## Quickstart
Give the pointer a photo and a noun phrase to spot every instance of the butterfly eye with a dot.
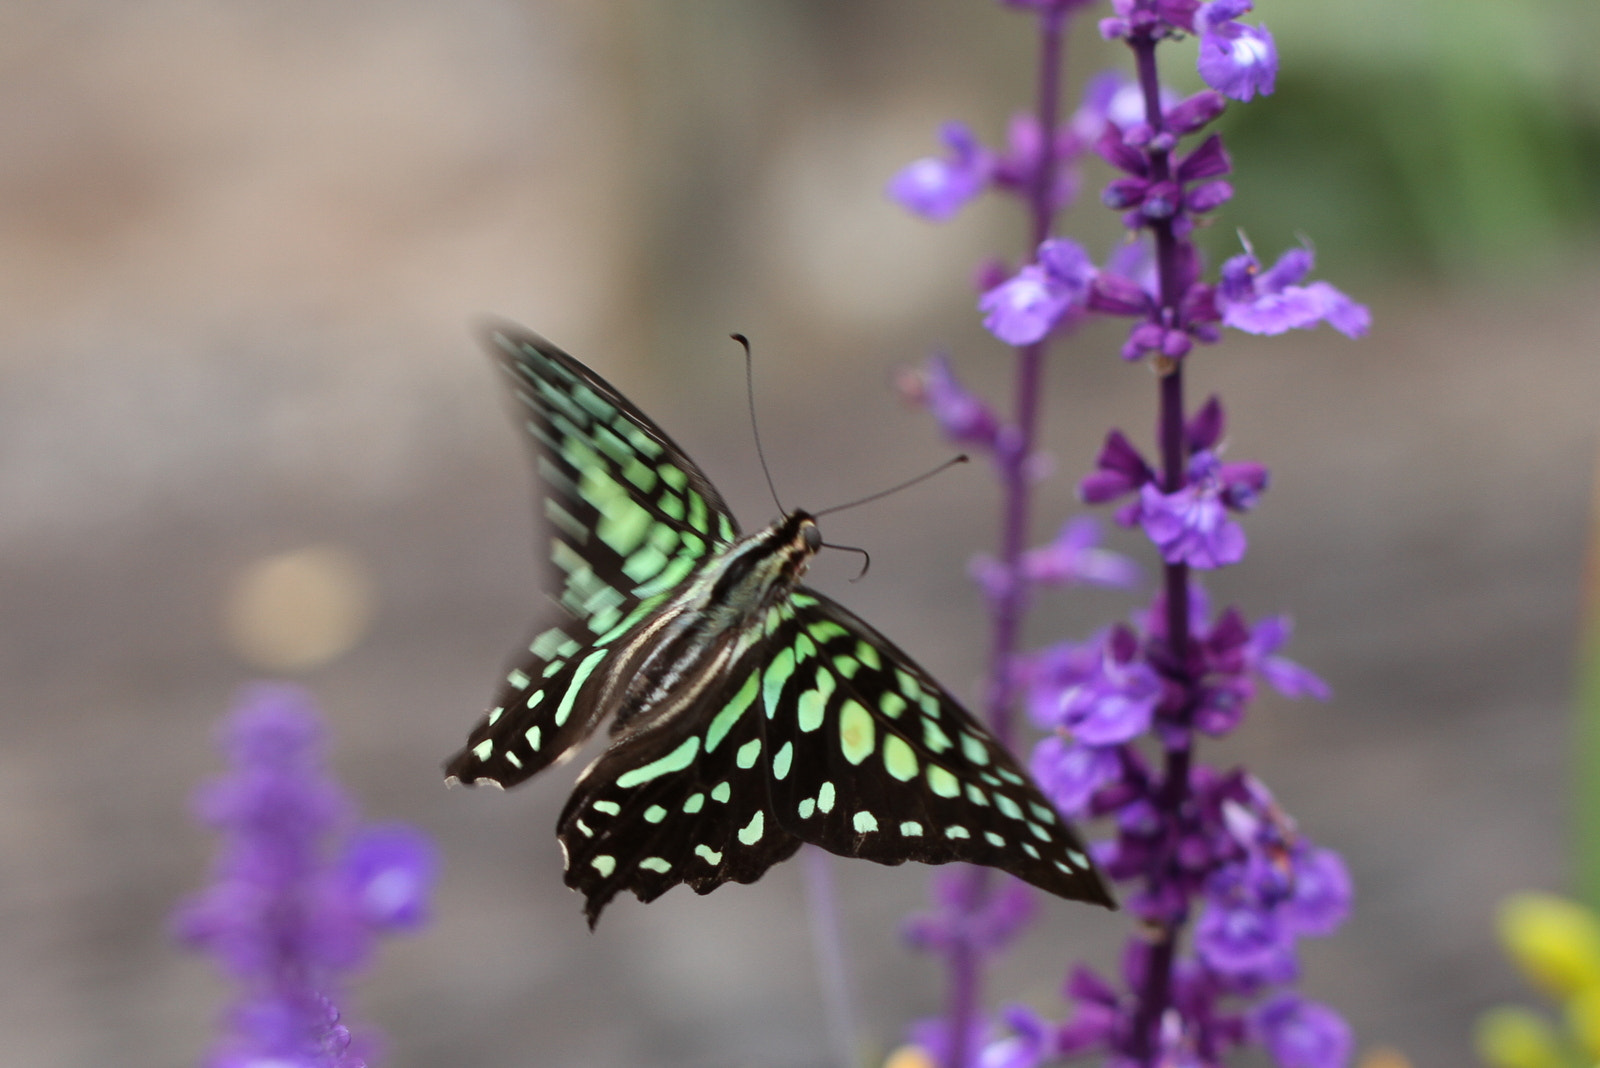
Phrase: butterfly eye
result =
(812, 536)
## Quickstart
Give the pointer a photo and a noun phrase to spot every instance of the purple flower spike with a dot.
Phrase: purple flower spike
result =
(1237, 61)
(1074, 558)
(1026, 307)
(1303, 1034)
(1271, 302)
(280, 915)
(937, 187)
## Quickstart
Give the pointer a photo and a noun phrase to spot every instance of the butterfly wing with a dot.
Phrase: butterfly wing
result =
(630, 518)
(820, 730)
(685, 802)
(872, 758)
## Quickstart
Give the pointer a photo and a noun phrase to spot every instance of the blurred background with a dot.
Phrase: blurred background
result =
(245, 431)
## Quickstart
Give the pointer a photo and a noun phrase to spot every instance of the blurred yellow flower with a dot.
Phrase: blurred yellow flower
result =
(1554, 941)
(1513, 1037)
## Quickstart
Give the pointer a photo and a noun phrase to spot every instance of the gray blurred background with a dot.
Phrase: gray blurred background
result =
(245, 432)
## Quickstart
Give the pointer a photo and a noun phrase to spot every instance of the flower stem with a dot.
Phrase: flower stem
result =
(964, 959)
(1156, 990)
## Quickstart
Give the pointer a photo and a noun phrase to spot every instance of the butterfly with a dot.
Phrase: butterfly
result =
(748, 713)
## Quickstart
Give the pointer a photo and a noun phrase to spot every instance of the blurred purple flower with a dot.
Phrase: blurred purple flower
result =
(1238, 61)
(1303, 1034)
(965, 417)
(1272, 301)
(936, 187)
(294, 902)
(1027, 306)
(1074, 558)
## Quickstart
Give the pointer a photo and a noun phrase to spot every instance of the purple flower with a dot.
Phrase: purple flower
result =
(1303, 1034)
(1286, 676)
(1240, 936)
(1116, 703)
(965, 418)
(1191, 525)
(1027, 306)
(937, 187)
(1071, 773)
(1074, 557)
(1272, 302)
(1238, 61)
(964, 913)
(1322, 892)
(1031, 1042)
(281, 915)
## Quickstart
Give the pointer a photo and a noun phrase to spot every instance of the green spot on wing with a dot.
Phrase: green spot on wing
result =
(707, 854)
(746, 757)
(777, 673)
(604, 864)
(751, 832)
(891, 705)
(864, 822)
(911, 829)
(610, 808)
(676, 760)
(673, 476)
(721, 792)
(814, 702)
(695, 803)
(781, 762)
(579, 676)
(942, 782)
(856, 733)
(825, 798)
(655, 814)
(898, 758)
(736, 707)
(655, 864)
(974, 750)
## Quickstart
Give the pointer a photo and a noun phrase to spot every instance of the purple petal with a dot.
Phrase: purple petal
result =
(1322, 892)
(1303, 1034)
(1238, 61)
(1071, 773)
(1205, 428)
(1023, 309)
(1291, 269)
(962, 415)
(936, 188)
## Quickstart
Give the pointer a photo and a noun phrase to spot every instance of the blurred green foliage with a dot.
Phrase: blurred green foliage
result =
(1440, 137)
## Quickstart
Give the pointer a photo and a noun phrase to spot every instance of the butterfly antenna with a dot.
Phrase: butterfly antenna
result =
(750, 398)
(907, 484)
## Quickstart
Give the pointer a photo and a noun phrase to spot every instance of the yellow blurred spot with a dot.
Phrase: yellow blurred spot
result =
(909, 1057)
(297, 610)
(1554, 941)
(1511, 1037)
(1384, 1057)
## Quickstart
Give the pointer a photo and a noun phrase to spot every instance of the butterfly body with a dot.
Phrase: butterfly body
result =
(748, 713)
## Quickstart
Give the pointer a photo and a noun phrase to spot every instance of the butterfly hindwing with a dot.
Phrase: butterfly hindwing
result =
(630, 518)
(882, 764)
(684, 803)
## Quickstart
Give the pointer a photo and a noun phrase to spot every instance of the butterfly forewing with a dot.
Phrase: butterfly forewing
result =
(630, 520)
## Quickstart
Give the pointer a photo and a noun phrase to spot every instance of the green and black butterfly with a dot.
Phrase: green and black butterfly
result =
(748, 713)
